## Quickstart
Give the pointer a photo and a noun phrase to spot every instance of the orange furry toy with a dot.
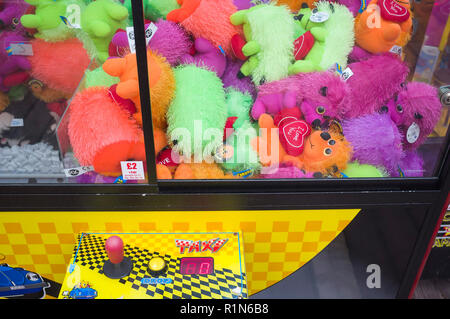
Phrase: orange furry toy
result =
(161, 84)
(324, 152)
(375, 34)
(105, 137)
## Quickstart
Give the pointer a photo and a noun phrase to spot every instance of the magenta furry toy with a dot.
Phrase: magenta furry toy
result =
(318, 94)
(169, 40)
(374, 81)
(284, 170)
(206, 55)
(415, 110)
(376, 140)
(11, 63)
(10, 13)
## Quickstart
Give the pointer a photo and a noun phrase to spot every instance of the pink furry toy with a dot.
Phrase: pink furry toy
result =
(209, 19)
(415, 110)
(284, 170)
(208, 56)
(318, 94)
(10, 64)
(173, 49)
(374, 81)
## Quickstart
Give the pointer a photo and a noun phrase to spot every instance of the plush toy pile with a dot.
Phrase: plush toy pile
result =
(238, 88)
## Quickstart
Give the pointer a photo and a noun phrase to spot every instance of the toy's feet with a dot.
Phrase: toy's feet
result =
(258, 109)
(163, 172)
(301, 66)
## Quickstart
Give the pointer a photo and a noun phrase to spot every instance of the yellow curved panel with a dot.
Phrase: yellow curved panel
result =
(276, 243)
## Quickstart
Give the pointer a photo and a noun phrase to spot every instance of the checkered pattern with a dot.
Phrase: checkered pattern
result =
(91, 254)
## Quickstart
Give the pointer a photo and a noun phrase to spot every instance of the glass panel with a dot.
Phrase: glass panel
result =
(342, 89)
(68, 105)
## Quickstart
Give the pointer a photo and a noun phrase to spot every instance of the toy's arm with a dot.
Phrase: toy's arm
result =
(116, 11)
(31, 21)
(319, 33)
(251, 48)
(249, 65)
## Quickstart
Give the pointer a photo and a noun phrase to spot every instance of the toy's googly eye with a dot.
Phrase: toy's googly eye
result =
(320, 110)
(315, 10)
(331, 142)
(15, 21)
(327, 151)
(399, 108)
(35, 83)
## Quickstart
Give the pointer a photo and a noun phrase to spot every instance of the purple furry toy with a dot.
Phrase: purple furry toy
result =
(230, 78)
(411, 165)
(376, 140)
(284, 170)
(11, 12)
(374, 81)
(169, 40)
(206, 55)
(318, 94)
(415, 110)
(11, 63)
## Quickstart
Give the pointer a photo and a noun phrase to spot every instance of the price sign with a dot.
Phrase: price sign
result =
(132, 170)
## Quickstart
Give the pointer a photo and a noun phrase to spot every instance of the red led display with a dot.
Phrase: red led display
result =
(197, 265)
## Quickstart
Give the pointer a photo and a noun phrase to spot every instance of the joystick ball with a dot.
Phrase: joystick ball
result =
(114, 249)
(117, 266)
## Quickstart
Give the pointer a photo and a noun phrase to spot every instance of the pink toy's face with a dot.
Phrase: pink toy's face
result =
(317, 114)
(322, 99)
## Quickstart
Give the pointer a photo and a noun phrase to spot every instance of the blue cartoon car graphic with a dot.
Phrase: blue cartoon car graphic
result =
(83, 291)
(17, 281)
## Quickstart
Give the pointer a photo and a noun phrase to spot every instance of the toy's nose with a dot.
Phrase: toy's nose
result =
(325, 136)
(384, 109)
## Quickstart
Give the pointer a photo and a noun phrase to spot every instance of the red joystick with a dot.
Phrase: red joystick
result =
(114, 249)
(117, 266)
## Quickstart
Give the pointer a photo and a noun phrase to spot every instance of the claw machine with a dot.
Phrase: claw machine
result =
(234, 149)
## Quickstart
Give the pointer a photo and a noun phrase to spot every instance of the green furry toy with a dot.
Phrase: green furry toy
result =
(154, 9)
(332, 27)
(99, 21)
(269, 31)
(197, 115)
(243, 160)
(47, 19)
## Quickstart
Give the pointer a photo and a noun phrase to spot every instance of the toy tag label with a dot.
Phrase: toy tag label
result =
(413, 133)
(21, 48)
(77, 171)
(346, 74)
(396, 49)
(16, 123)
(132, 171)
(149, 33)
(68, 24)
(319, 17)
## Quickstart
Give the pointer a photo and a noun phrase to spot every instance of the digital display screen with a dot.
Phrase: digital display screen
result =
(197, 265)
